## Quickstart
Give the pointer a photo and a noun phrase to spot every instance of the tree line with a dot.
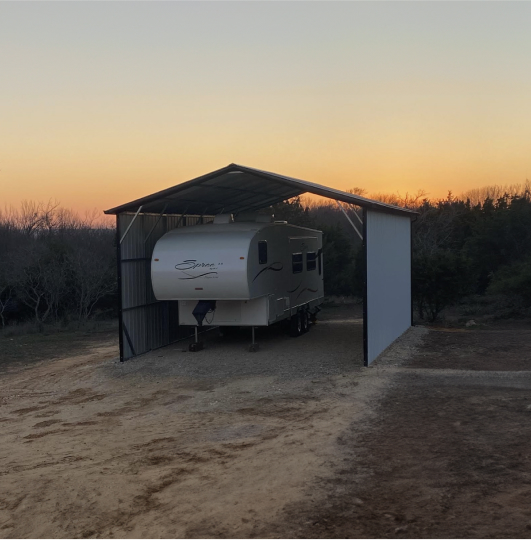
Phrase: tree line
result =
(58, 267)
(55, 266)
(461, 248)
(476, 244)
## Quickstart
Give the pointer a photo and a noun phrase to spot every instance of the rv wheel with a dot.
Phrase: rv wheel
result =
(305, 323)
(296, 325)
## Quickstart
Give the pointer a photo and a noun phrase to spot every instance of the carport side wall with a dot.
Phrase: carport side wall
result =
(387, 241)
(145, 323)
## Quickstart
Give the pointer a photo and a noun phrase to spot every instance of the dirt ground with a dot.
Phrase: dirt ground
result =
(297, 440)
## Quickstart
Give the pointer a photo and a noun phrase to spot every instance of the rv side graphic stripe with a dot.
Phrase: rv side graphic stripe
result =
(200, 275)
(293, 290)
(304, 290)
(270, 268)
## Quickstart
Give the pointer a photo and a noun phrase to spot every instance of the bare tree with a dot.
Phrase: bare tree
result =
(6, 295)
(411, 201)
(39, 279)
(53, 261)
(92, 271)
(495, 192)
(357, 191)
(27, 277)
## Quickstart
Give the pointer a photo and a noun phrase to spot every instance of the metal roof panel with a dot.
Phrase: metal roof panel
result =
(236, 188)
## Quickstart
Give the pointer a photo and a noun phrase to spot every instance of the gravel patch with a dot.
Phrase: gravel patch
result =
(326, 350)
(401, 350)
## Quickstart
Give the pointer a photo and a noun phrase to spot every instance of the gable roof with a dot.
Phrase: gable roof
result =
(236, 188)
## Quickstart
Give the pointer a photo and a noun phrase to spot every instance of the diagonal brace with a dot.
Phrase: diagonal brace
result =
(349, 220)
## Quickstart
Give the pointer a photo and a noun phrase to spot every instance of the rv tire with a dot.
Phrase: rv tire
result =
(305, 323)
(295, 329)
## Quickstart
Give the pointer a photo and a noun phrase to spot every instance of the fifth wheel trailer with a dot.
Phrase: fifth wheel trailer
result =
(249, 273)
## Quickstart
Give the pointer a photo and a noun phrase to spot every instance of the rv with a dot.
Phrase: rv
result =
(250, 272)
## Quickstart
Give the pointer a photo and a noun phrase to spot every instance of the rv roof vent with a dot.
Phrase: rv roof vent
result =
(280, 221)
(223, 218)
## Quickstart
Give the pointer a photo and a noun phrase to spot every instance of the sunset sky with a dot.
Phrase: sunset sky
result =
(102, 103)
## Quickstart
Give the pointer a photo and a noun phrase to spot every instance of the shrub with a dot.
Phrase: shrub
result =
(513, 279)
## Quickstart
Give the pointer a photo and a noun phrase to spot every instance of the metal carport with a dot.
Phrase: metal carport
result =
(147, 324)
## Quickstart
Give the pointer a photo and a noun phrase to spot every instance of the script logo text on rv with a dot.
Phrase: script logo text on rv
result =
(207, 269)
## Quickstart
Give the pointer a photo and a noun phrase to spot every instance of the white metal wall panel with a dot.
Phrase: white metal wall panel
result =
(388, 294)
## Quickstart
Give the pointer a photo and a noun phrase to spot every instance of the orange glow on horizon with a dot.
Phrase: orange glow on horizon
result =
(104, 103)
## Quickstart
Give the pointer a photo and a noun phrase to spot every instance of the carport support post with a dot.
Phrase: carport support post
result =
(365, 318)
(119, 284)
(411, 263)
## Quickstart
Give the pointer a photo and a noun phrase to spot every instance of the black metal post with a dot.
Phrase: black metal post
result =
(365, 310)
(411, 263)
(119, 280)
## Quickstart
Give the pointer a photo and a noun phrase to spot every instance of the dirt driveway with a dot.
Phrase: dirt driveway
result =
(296, 440)
(448, 453)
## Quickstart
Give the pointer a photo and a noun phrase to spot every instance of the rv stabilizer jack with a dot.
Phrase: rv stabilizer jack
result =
(197, 345)
(253, 347)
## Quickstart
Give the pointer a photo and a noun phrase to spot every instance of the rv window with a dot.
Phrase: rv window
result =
(311, 262)
(262, 252)
(296, 261)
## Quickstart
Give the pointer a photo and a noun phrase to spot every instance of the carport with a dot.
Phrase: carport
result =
(146, 324)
